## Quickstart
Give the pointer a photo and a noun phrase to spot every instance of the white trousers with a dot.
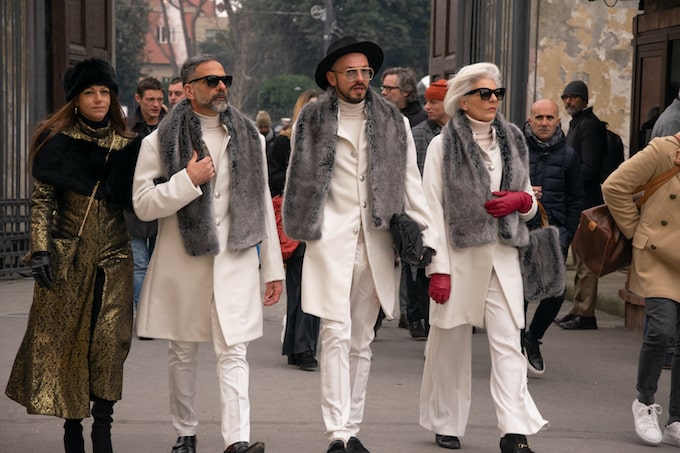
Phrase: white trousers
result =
(232, 373)
(445, 393)
(345, 358)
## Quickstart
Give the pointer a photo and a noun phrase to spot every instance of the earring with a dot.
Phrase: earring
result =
(75, 110)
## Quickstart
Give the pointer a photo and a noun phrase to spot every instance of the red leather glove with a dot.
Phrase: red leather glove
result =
(507, 202)
(440, 287)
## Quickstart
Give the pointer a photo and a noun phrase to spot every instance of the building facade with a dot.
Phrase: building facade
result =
(627, 51)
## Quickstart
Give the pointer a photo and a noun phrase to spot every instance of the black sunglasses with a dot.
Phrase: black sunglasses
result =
(485, 93)
(213, 80)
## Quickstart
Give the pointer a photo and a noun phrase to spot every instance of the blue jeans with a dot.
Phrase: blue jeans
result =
(663, 317)
(142, 248)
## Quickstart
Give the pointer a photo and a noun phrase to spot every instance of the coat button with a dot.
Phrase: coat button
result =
(361, 178)
(218, 223)
(672, 196)
(217, 195)
(354, 154)
(664, 223)
(355, 231)
(364, 204)
(653, 247)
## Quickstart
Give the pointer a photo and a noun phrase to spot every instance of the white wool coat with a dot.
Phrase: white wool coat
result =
(470, 268)
(329, 261)
(179, 289)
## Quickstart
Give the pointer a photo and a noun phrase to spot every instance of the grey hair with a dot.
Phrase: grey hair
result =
(464, 80)
(407, 81)
(189, 67)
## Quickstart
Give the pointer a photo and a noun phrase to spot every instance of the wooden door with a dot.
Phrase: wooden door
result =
(79, 29)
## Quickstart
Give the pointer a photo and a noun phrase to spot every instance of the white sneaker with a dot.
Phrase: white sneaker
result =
(646, 419)
(671, 434)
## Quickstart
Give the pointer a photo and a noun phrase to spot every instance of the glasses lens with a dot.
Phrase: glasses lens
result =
(485, 93)
(351, 74)
(500, 93)
(367, 73)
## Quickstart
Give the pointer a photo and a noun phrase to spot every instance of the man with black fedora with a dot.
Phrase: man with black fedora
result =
(352, 165)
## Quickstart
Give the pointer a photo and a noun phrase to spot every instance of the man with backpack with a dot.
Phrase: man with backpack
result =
(588, 137)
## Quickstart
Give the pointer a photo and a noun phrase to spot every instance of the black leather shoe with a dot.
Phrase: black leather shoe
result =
(243, 447)
(515, 443)
(403, 321)
(354, 446)
(566, 318)
(580, 323)
(306, 361)
(417, 330)
(532, 352)
(450, 442)
(337, 446)
(185, 444)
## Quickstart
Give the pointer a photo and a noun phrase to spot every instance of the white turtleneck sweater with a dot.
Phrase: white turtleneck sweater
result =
(351, 118)
(485, 136)
(214, 136)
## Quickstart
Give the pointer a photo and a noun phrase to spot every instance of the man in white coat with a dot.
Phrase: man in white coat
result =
(352, 165)
(203, 175)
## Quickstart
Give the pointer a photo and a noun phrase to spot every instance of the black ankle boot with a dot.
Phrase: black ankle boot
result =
(101, 427)
(73, 436)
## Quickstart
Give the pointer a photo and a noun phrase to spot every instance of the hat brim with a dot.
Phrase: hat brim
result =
(373, 53)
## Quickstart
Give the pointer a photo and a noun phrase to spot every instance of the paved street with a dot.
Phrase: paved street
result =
(586, 393)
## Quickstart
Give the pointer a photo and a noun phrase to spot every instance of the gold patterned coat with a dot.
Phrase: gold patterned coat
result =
(79, 332)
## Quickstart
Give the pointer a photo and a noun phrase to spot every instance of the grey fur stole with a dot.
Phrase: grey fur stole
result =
(466, 184)
(179, 134)
(313, 158)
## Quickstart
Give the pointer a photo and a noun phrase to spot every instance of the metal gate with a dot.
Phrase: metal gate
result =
(14, 123)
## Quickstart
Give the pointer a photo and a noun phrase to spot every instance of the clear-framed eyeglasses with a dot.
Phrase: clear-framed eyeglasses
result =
(352, 74)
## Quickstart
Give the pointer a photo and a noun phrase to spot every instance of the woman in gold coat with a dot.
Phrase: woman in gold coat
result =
(80, 323)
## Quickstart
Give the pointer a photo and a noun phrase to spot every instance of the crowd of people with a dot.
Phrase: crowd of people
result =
(170, 219)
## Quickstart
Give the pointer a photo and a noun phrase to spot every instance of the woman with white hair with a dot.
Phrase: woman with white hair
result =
(476, 178)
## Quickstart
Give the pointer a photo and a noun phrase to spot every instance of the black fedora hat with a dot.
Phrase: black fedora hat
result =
(343, 46)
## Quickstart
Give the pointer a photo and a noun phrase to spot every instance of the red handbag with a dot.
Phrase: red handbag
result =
(288, 245)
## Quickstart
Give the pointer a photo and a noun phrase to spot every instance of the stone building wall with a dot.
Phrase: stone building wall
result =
(589, 41)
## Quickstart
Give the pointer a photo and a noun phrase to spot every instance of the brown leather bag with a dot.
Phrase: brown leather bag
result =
(598, 240)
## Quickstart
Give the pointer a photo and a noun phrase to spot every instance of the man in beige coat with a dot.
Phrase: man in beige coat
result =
(352, 165)
(203, 175)
(654, 274)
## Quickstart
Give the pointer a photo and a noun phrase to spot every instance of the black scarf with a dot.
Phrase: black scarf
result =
(179, 134)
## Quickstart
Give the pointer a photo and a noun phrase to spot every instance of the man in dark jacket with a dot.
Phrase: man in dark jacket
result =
(557, 182)
(150, 111)
(588, 137)
(399, 86)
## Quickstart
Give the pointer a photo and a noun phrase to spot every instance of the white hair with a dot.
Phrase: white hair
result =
(464, 80)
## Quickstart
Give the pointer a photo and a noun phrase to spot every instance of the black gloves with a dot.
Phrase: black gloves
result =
(41, 270)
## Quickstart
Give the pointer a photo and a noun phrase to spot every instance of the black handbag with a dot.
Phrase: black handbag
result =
(542, 262)
(408, 241)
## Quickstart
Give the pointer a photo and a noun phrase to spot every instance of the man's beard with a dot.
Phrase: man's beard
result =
(572, 110)
(217, 103)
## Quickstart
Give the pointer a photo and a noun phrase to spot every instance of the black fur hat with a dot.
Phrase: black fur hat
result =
(86, 73)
